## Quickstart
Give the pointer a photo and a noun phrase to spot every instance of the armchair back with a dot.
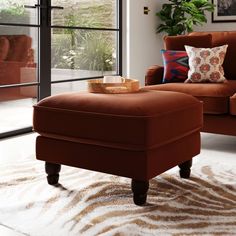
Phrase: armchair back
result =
(178, 42)
(20, 47)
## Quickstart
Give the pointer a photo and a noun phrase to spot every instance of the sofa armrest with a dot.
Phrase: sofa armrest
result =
(154, 75)
(233, 105)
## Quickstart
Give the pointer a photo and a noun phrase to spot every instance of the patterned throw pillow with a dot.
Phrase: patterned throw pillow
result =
(206, 64)
(175, 66)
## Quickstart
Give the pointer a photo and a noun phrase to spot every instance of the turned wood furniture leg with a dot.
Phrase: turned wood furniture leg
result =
(185, 169)
(140, 189)
(53, 172)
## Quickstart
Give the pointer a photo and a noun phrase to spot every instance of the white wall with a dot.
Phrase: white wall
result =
(141, 43)
(209, 26)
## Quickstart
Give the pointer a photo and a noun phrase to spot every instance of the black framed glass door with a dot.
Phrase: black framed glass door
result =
(53, 46)
(19, 53)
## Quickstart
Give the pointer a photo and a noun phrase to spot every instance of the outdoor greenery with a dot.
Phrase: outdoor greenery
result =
(72, 48)
(97, 52)
(14, 10)
(90, 51)
(84, 49)
(179, 16)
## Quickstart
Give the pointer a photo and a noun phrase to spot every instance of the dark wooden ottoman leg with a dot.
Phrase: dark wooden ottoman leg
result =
(53, 172)
(140, 189)
(185, 169)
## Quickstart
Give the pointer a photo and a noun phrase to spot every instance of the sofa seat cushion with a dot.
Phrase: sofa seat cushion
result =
(136, 121)
(215, 96)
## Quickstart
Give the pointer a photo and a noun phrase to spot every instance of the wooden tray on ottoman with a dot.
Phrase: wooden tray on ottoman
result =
(127, 86)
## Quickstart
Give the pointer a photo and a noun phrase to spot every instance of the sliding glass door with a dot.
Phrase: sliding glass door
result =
(19, 30)
(50, 47)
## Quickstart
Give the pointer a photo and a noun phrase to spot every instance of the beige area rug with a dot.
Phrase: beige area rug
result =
(90, 203)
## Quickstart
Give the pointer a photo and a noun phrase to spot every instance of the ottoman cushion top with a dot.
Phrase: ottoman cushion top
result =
(135, 121)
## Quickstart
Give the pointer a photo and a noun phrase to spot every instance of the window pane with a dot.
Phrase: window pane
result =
(19, 62)
(83, 53)
(13, 11)
(85, 13)
(77, 86)
(17, 114)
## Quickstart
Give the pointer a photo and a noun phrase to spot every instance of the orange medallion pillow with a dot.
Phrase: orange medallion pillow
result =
(4, 48)
(205, 64)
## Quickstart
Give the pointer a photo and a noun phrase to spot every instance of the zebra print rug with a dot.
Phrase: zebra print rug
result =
(89, 203)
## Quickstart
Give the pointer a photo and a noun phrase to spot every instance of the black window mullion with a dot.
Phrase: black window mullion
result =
(15, 132)
(45, 50)
(119, 44)
(20, 25)
(19, 85)
(83, 28)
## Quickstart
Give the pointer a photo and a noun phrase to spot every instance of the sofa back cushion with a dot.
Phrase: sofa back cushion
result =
(19, 47)
(221, 38)
(4, 48)
(178, 42)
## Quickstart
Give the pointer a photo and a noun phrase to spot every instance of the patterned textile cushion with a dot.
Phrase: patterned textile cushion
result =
(4, 48)
(175, 66)
(206, 64)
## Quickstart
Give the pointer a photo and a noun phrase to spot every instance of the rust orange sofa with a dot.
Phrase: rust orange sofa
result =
(18, 54)
(219, 100)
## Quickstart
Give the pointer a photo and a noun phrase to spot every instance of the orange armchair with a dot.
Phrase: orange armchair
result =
(219, 99)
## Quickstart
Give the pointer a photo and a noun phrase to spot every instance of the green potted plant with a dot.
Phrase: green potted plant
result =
(179, 16)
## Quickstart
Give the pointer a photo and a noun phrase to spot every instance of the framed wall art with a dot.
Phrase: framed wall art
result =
(225, 11)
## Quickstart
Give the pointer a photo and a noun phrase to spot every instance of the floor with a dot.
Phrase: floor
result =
(17, 114)
(219, 147)
(18, 151)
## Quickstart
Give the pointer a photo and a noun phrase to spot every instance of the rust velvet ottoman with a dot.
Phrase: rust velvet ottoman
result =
(137, 135)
